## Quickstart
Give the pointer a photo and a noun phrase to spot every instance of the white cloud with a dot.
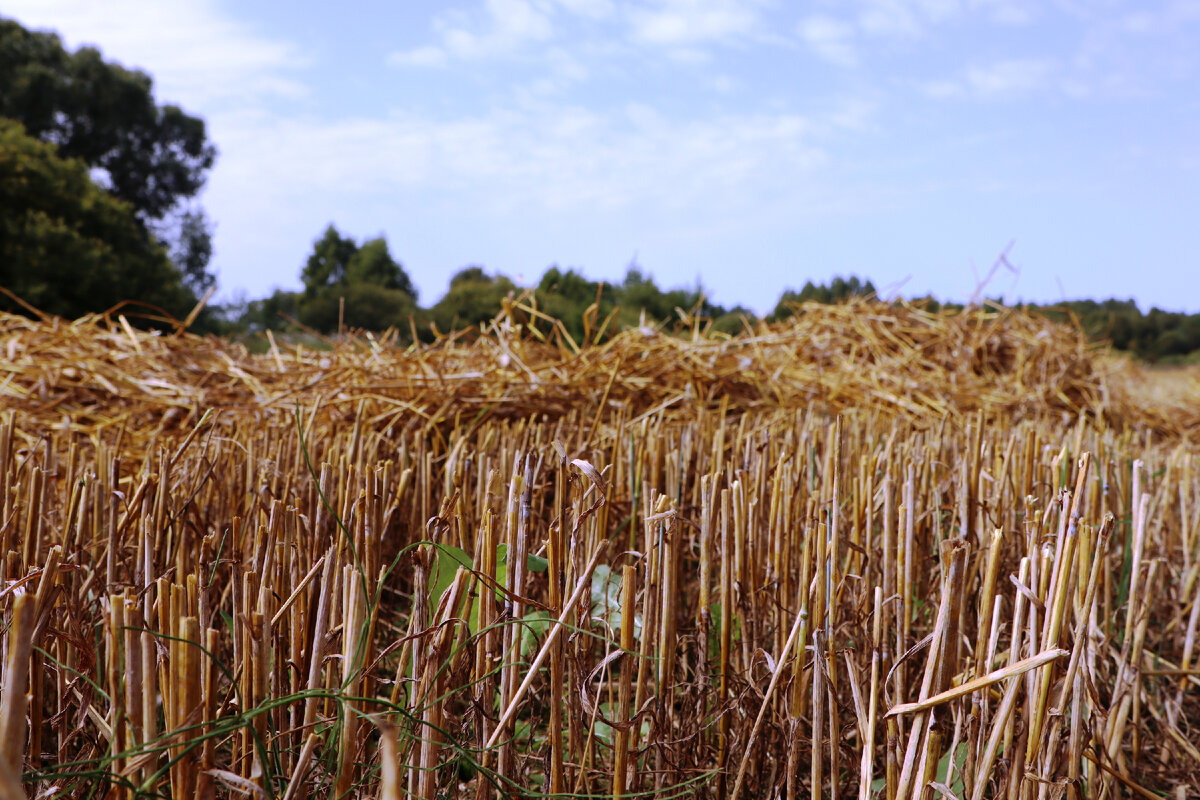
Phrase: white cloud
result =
(548, 165)
(854, 114)
(889, 19)
(197, 55)
(1166, 19)
(1006, 79)
(904, 18)
(1138, 22)
(546, 159)
(504, 27)
(940, 89)
(830, 38)
(1010, 77)
(596, 9)
(830, 34)
(724, 84)
(688, 23)
(1007, 12)
(425, 56)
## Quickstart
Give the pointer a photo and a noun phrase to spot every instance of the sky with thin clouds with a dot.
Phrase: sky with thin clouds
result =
(748, 145)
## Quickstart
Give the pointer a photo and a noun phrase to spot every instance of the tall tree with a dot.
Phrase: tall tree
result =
(337, 260)
(153, 157)
(193, 250)
(474, 298)
(326, 265)
(66, 246)
(362, 286)
(374, 265)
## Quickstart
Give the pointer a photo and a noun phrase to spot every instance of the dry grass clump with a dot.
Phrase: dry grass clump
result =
(1163, 399)
(868, 355)
(532, 567)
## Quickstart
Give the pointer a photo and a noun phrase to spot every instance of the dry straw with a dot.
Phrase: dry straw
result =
(871, 551)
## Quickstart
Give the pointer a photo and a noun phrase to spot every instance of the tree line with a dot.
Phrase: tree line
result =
(362, 286)
(97, 210)
(351, 285)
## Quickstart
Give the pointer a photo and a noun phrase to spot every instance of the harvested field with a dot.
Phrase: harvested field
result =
(870, 552)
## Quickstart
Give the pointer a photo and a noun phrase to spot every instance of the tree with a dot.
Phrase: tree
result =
(639, 293)
(733, 321)
(566, 296)
(362, 286)
(337, 260)
(67, 247)
(839, 290)
(150, 156)
(268, 312)
(193, 251)
(326, 266)
(358, 305)
(374, 265)
(474, 298)
(572, 287)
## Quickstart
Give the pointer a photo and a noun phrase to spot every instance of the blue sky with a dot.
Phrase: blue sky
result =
(747, 144)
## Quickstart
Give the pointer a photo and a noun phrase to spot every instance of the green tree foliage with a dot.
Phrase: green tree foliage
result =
(150, 156)
(367, 306)
(572, 288)
(473, 299)
(569, 295)
(566, 296)
(337, 261)
(1155, 336)
(734, 321)
(326, 266)
(271, 312)
(373, 265)
(104, 115)
(363, 286)
(639, 294)
(192, 251)
(838, 290)
(66, 246)
(337, 268)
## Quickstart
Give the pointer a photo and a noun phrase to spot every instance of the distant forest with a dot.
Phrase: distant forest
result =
(592, 310)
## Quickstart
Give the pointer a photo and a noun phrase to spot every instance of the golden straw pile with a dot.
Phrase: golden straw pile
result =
(896, 359)
(872, 551)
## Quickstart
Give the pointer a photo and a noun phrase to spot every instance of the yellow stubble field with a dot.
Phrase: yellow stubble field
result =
(871, 551)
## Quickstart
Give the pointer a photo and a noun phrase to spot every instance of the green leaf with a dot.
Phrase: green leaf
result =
(960, 758)
(714, 632)
(607, 733)
(446, 561)
(603, 731)
(532, 563)
(606, 600)
(533, 628)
